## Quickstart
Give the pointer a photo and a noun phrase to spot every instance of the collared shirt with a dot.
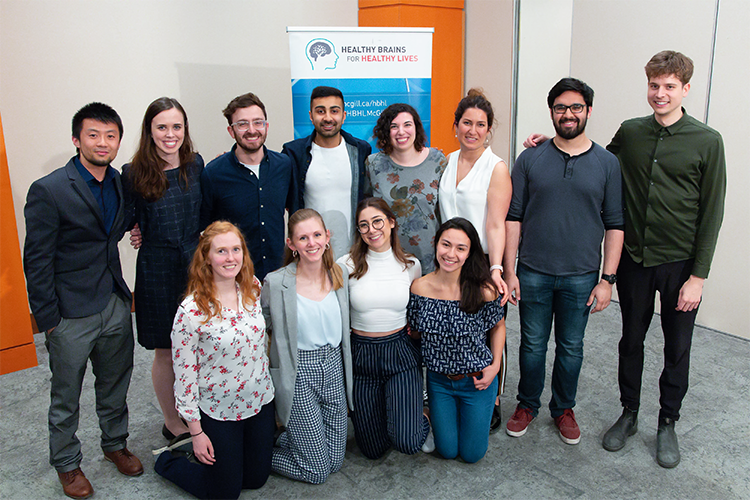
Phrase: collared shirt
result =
(104, 192)
(232, 192)
(674, 184)
(565, 204)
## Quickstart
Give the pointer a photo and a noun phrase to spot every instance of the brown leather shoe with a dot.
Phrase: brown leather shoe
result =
(126, 462)
(75, 484)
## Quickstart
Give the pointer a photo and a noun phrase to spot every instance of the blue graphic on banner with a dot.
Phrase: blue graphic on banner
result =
(364, 100)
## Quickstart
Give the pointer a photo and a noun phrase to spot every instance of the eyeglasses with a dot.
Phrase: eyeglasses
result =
(576, 108)
(364, 227)
(244, 125)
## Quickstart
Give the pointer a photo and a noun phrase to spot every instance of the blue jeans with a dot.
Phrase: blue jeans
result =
(543, 297)
(460, 416)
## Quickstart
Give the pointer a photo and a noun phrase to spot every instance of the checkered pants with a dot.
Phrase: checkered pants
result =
(314, 442)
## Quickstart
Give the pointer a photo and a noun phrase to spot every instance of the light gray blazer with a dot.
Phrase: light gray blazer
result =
(279, 301)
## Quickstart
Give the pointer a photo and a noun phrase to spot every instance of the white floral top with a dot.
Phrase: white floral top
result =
(220, 366)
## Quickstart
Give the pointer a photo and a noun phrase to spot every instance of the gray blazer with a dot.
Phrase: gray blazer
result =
(72, 265)
(279, 301)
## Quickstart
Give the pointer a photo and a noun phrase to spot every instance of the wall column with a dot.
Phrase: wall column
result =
(17, 349)
(447, 52)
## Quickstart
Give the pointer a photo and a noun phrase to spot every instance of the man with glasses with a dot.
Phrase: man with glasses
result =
(566, 198)
(330, 167)
(250, 186)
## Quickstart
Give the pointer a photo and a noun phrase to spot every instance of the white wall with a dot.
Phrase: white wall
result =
(56, 56)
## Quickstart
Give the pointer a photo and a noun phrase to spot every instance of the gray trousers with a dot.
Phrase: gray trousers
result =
(107, 339)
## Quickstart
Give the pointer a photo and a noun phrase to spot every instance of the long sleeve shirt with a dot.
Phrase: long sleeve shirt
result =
(221, 366)
(674, 184)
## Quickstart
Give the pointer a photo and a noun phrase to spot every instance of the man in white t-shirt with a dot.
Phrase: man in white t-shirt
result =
(330, 167)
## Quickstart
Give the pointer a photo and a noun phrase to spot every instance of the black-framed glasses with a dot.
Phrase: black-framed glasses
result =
(244, 125)
(576, 108)
(364, 227)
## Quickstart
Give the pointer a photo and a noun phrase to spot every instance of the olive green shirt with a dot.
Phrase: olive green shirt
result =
(674, 183)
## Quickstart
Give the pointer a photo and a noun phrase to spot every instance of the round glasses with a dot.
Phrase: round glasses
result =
(364, 227)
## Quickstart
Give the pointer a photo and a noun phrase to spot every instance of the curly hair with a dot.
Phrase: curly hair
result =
(333, 271)
(358, 252)
(382, 129)
(201, 277)
(146, 172)
(475, 273)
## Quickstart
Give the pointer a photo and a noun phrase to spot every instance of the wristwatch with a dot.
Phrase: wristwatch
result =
(610, 278)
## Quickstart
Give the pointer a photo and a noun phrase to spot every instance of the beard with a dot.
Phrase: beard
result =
(245, 145)
(573, 132)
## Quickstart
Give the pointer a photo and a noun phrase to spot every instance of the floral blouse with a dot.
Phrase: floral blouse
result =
(412, 194)
(220, 366)
(453, 342)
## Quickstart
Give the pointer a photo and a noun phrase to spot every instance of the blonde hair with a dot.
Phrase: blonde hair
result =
(201, 276)
(333, 271)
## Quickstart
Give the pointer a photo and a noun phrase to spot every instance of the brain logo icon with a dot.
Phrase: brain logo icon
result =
(321, 54)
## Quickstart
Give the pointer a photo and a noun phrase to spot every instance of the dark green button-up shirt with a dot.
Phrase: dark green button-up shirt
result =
(674, 183)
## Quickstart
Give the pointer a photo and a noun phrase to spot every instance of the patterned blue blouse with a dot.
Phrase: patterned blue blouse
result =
(453, 342)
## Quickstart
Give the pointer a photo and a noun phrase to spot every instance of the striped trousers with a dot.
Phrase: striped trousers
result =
(387, 395)
(313, 445)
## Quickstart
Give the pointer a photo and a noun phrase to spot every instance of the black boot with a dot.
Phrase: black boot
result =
(627, 425)
(667, 449)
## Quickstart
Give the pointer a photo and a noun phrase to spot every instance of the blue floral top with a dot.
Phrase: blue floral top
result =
(412, 194)
(453, 342)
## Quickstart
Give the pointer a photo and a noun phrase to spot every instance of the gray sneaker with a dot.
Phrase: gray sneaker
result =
(627, 425)
(667, 449)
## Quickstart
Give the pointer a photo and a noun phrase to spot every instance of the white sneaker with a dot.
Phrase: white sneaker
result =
(429, 442)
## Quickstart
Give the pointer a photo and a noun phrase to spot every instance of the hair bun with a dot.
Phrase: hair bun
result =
(476, 92)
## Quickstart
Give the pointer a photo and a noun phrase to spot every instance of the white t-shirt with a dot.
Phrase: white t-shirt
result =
(253, 168)
(378, 300)
(328, 190)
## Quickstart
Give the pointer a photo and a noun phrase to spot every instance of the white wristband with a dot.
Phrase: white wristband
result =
(496, 266)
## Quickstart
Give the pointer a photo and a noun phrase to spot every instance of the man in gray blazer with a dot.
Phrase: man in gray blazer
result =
(75, 217)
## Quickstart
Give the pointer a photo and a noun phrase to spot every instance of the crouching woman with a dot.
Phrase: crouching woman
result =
(306, 306)
(455, 309)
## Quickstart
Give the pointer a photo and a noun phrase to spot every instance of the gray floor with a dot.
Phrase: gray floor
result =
(714, 435)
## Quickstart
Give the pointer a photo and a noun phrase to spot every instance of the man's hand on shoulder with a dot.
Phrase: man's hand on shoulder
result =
(690, 294)
(534, 140)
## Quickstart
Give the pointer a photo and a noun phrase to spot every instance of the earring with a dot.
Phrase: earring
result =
(294, 253)
(328, 245)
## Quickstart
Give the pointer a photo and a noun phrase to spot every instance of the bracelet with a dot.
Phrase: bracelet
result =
(195, 435)
(496, 266)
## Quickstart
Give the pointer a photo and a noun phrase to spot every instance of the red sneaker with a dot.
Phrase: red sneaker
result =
(569, 431)
(519, 422)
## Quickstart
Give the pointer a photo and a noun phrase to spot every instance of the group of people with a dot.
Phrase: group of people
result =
(267, 337)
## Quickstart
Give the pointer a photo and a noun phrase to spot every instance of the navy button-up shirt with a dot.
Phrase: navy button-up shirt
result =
(104, 192)
(233, 193)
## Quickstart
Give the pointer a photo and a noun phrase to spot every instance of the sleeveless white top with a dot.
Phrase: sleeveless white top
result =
(469, 198)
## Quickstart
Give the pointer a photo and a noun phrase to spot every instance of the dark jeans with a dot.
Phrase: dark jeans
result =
(544, 297)
(636, 289)
(243, 457)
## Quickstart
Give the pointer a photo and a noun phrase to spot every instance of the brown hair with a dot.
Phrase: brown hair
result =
(382, 129)
(669, 62)
(201, 277)
(358, 252)
(243, 101)
(146, 172)
(332, 270)
(475, 99)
